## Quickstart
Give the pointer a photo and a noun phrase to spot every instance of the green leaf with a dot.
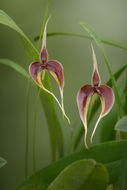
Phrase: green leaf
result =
(31, 50)
(95, 107)
(15, 66)
(46, 99)
(122, 184)
(105, 153)
(81, 175)
(99, 44)
(121, 125)
(2, 162)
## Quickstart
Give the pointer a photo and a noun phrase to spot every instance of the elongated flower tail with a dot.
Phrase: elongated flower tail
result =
(83, 100)
(35, 70)
(107, 100)
(56, 70)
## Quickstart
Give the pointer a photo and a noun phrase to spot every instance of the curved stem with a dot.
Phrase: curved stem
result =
(105, 41)
(27, 129)
(39, 91)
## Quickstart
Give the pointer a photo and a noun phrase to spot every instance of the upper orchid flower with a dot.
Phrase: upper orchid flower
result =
(37, 71)
(88, 91)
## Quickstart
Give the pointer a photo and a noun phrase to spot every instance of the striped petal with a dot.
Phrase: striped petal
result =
(107, 100)
(95, 76)
(83, 99)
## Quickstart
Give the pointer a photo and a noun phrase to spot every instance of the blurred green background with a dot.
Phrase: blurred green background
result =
(108, 18)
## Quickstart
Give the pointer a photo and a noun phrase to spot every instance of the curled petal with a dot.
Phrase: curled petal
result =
(56, 70)
(107, 100)
(44, 53)
(95, 77)
(83, 99)
(35, 70)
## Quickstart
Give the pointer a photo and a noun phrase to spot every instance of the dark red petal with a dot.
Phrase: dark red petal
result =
(107, 99)
(95, 77)
(35, 69)
(56, 69)
(44, 55)
(83, 100)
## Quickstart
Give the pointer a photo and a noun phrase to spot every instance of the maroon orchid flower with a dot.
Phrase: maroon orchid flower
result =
(86, 94)
(37, 72)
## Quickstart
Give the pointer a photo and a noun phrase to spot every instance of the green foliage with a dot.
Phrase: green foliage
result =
(122, 184)
(15, 66)
(121, 125)
(46, 99)
(2, 162)
(81, 175)
(101, 153)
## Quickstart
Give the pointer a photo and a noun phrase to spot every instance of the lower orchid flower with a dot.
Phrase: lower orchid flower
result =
(37, 72)
(87, 92)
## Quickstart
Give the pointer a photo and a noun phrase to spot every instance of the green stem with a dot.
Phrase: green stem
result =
(34, 131)
(108, 42)
(27, 129)
(38, 97)
(43, 24)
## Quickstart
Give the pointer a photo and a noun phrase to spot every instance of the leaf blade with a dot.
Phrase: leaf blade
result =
(3, 162)
(97, 152)
(121, 125)
(84, 174)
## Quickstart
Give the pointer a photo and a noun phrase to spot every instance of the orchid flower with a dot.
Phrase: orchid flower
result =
(37, 72)
(87, 92)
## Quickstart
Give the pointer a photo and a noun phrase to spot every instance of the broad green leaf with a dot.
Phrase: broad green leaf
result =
(84, 174)
(95, 107)
(2, 162)
(113, 171)
(46, 99)
(105, 153)
(99, 44)
(122, 184)
(121, 125)
(15, 66)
